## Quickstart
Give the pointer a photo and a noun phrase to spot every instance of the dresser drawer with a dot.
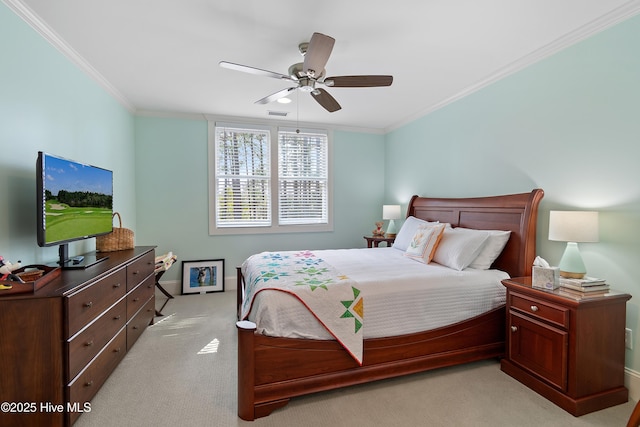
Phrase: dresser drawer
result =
(140, 321)
(86, 344)
(83, 387)
(91, 301)
(540, 309)
(140, 269)
(139, 296)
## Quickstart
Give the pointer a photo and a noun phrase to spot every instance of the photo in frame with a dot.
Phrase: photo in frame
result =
(201, 277)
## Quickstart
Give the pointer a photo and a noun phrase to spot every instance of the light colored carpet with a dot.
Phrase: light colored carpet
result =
(182, 371)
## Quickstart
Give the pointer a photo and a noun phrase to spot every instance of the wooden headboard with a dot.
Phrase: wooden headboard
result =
(517, 213)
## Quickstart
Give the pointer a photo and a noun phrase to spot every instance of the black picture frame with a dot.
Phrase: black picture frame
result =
(202, 276)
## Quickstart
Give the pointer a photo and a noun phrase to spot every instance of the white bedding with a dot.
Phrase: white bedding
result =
(401, 296)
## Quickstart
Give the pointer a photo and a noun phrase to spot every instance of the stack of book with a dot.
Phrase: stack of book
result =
(583, 288)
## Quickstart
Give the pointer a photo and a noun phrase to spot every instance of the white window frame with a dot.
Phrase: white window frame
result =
(275, 227)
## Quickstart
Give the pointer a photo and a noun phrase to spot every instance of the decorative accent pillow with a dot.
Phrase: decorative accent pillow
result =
(491, 250)
(424, 242)
(407, 231)
(459, 247)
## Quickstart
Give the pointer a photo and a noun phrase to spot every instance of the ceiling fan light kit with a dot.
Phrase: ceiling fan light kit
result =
(305, 74)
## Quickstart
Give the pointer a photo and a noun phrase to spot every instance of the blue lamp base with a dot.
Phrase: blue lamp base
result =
(391, 229)
(571, 265)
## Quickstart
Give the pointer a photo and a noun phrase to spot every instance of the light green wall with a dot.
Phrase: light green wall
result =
(570, 125)
(171, 184)
(48, 104)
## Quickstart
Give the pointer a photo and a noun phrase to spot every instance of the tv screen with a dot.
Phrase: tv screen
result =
(75, 200)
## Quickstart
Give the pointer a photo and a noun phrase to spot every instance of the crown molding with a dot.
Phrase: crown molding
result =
(255, 120)
(622, 13)
(35, 22)
(616, 16)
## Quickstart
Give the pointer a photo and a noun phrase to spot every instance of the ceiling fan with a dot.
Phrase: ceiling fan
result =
(310, 73)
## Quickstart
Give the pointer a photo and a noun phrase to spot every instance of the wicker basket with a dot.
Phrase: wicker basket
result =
(30, 275)
(119, 239)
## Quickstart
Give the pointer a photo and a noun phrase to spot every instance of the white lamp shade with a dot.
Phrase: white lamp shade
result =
(391, 212)
(573, 226)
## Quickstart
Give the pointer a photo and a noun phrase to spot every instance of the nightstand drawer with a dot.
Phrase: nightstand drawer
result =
(540, 309)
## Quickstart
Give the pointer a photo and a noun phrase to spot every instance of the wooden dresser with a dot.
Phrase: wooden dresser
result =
(59, 344)
(569, 350)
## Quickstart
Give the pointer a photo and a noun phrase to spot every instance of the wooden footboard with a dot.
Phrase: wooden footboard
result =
(273, 370)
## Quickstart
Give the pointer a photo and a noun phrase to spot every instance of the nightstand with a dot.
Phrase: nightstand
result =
(374, 241)
(570, 351)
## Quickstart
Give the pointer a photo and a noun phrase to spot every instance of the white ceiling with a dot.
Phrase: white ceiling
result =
(161, 56)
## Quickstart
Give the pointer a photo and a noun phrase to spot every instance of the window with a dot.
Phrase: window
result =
(302, 177)
(265, 180)
(242, 177)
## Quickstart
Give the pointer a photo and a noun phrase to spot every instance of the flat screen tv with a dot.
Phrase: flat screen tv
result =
(74, 202)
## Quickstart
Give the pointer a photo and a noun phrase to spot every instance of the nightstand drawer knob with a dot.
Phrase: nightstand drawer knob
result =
(514, 329)
(534, 308)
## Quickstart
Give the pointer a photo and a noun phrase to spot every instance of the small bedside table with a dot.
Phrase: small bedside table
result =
(374, 241)
(568, 350)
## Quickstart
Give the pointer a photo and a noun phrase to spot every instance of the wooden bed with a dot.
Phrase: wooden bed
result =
(272, 370)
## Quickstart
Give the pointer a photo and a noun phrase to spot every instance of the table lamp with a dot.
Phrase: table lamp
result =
(391, 212)
(573, 227)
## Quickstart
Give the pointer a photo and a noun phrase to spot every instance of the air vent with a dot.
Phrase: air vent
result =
(278, 113)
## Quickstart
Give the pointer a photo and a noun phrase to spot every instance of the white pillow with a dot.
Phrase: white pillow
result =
(491, 250)
(407, 231)
(459, 247)
(424, 243)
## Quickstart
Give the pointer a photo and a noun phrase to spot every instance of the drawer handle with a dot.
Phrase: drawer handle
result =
(136, 299)
(136, 272)
(534, 308)
(88, 304)
(514, 329)
(88, 383)
(135, 328)
(88, 343)
(117, 350)
(117, 317)
(117, 285)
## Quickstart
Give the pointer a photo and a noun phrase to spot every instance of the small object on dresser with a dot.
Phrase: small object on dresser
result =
(7, 270)
(30, 279)
(30, 275)
(119, 239)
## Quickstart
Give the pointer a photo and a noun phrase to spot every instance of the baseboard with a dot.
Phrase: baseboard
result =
(632, 382)
(174, 287)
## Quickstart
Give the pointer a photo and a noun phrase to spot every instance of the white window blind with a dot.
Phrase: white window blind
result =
(303, 173)
(242, 177)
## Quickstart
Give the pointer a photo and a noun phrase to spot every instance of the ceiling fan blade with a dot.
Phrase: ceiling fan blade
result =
(318, 52)
(326, 100)
(275, 96)
(358, 81)
(253, 70)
